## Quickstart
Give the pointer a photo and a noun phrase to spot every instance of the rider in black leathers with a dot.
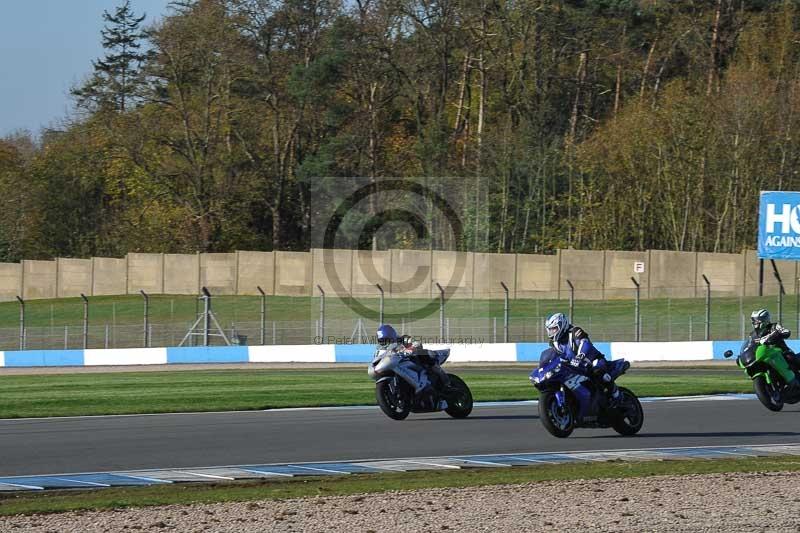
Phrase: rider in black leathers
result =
(774, 334)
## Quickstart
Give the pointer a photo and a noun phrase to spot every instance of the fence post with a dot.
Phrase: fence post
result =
(321, 314)
(708, 307)
(380, 308)
(146, 318)
(206, 297)
(85, 320)
(263, 313)
(441, 312)
(21, 323)
(636, 310)
(572, 301)
(505, 313)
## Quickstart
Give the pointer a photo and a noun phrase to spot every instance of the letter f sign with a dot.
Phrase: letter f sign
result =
(784, 217)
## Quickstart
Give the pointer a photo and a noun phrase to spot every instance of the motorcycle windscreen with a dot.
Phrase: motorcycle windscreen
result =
(748, 353)
(441, 355)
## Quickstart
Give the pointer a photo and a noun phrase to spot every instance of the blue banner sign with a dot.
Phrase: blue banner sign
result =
(779, 225)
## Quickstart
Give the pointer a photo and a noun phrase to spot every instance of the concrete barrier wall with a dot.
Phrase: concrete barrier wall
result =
(672, 274)
(293, 274)
(74, 276)
(725, 272)
(788, 271)
(412, 274)
(454, 271)
(402, 273)
(218, 273)
(585, 270)
(370, 268)
(537, 276)
(490, 270)
(620, 267)
(256, 269)
(109, 276)
(358, 353)
(181, 274)
(333, 271)
(10, 281)
(146, 272)
(39, 279)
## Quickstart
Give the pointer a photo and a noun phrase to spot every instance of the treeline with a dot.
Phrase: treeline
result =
(618, 124)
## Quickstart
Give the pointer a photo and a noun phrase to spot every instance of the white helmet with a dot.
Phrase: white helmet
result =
(761, 320)
(556, 325)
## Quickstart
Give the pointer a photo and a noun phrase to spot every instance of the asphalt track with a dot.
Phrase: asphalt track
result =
(95, 444)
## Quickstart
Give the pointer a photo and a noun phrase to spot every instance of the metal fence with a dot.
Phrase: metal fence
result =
(107, 322)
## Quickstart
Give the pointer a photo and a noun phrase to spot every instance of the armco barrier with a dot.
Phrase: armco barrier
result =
(358, 353)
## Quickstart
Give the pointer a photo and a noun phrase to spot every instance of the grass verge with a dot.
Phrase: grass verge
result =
(23, 396)
(115, 498)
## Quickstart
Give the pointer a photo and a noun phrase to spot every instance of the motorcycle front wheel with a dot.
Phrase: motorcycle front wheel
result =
(558, 420)
(393, 398)
(459, 403)
(767, 394)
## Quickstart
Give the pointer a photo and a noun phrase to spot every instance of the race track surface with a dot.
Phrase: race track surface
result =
(94, 444)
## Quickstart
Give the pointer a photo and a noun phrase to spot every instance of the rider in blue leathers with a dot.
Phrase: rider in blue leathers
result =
(572, 343)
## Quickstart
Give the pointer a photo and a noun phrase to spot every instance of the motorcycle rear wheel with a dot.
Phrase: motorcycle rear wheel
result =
(629, 415)
(396, 404)
(558, 421)
(459, 403)
(767, 395)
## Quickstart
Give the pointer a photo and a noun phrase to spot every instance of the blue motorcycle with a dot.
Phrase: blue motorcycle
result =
(569, 399)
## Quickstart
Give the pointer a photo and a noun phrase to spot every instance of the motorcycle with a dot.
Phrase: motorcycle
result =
(400, 382)
(569, 399)
(766, 366)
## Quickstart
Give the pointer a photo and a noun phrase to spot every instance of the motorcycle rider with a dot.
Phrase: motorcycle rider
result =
(388, 339)
(572, 342)
(774, 334)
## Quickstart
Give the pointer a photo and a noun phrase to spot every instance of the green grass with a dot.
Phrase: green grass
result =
(223, 390)
(662, 318)
(115, 498)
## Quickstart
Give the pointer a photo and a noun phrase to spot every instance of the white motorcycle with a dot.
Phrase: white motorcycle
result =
(401, 382)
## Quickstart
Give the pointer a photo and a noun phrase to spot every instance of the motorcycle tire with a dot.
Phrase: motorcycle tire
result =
(764, 394)
(557, 421)
(394, 405)
(459, 402)
(629, 415)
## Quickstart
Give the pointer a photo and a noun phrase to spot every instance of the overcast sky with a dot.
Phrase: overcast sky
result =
(46, 47)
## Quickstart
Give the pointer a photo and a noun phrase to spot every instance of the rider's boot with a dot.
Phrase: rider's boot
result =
(793, 388)
(612, 390)
(444, 379)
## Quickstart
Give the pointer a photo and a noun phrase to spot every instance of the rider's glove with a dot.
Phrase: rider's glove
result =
(765, 339)
(577, 360)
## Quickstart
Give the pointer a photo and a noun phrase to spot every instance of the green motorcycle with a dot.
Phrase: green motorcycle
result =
(770, 373)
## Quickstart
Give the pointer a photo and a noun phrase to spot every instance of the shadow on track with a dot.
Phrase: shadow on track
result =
(484, 417)
(702, 435)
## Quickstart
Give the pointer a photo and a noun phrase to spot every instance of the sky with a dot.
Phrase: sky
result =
(47, 47)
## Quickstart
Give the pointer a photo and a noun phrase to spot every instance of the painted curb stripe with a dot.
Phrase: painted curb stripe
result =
(107, 479)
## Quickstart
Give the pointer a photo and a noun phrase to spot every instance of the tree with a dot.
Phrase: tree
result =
(116, 80)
